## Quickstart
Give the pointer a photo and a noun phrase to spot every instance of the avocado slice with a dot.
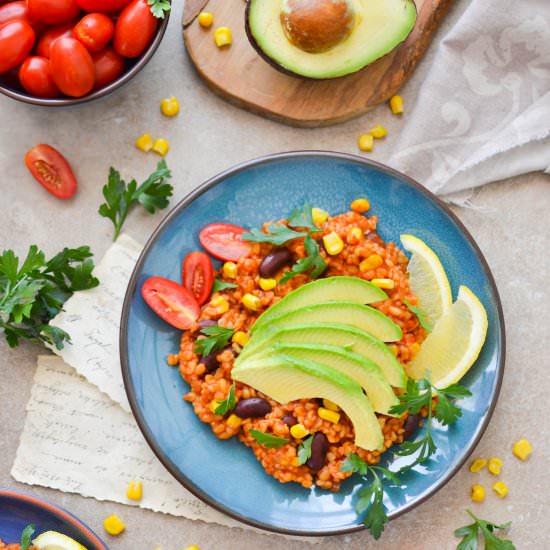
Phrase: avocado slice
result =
(331, 289)
(364, 371)
(322, 39)
(338, 334)
(285, 379)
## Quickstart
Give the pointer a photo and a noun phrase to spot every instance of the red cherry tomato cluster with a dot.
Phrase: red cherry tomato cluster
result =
(71, 47)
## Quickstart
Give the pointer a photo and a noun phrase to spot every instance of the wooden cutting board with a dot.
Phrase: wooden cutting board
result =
(240, 75)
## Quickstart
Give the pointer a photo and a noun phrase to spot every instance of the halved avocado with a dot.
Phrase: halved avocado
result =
(323, 39)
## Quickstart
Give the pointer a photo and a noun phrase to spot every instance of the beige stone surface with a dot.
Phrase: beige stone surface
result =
(509, 222)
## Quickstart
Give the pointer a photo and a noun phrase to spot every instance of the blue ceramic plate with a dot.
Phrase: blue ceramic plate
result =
(225, 474)
(17, 510)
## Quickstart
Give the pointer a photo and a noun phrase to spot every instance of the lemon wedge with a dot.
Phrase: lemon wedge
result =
(454, 344)
(427, 278)
(52, 540)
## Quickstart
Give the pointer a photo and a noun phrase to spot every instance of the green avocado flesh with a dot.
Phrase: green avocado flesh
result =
(286, 379)
(331, 289)
(366, 373)
(378, 27)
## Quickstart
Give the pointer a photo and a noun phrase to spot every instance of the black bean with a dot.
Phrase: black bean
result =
(210, 362)
(319, 448)
(253, 407)
(411, 425)
(207, 323)
(289, 420)
(274, 261)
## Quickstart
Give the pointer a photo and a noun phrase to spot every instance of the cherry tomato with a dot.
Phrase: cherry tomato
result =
(108, 67)
(94, 30)
(103, 6)
(53, 12)
(134, 29)
(72, 67)
(36, 78)
(19, 10)
(50, 36)
(50, 169)
(171, 302)
(223, 241)
(198, 275)
(16, 42)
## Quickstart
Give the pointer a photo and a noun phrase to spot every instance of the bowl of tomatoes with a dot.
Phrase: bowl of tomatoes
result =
(64, 52)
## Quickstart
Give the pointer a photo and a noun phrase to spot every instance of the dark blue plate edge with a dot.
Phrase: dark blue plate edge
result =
(188, 199)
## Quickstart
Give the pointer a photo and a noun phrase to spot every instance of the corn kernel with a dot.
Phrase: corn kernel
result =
(414, 349)
(213, 405)
(522, 449)
(170, 106)
(240, 338)
(296, 461)
(333, 243)
(478, 465)
(396, 105)
(319, 216)
(113, 525)
(251, 302)
(394, 349)
(478, 493)
(221, 304)
(387, 284)
(360, 205)
(233, 421)
(500, 489)
(354, 235)
(134, 491)
(267, 284)
(378, 131)
(230, 270)
(495, 466)
(326, 414)
(330, 405)
(372, 262)
(205, 19)
(161, 146)
(144, 143)
(365, 142)
(222, 37)
(192, 547)
(172, 359)
(298, 431)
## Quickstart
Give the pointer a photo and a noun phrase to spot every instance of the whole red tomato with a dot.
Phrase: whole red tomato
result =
(72, 67)
(108, 67)
(94, 30)
(53, 12)
(16, 42)
(19, 10)
(50, 36)
(103, 6)
(36, 78)
(134, 29)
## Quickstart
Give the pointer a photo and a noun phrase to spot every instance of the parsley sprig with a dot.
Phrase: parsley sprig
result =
(268, 440)
(26, 536)
(33, 293)
(277, 235)
(120, 196)
(216, 339)
(470, 534)
(159, 8)
(421, 315)
(220, 285)
(313, 262)
(228, 404)
(304, 450)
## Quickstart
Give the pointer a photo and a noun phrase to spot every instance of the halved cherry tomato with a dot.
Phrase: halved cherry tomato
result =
(36, 78)
(19, 10)
(171, 302)
(16, 42)
(72, 67)
(134, 29)
(223, 241)
(50, 169)
(108, 66)
(197, 275)
(94, 30)
(51, 35)
(53, 12)
(103, 6)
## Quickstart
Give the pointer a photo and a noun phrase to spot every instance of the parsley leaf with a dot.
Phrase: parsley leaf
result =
(421, 315)
(228, 404)
(152, 194)
(268, 440)
(470, 535)
(313, 262)
(216, 339)
(220, 285)
(304, 450)
(159, 8)
(277, 234)
(303, 219)
(26, 536)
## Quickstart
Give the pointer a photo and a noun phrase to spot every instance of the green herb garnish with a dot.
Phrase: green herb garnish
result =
(313, 262)
(216, 339)
(278, 234)
(228, 404)
(159, 8)
(470, 534)
(304, 450)
(220, 285)
(34, 293)
(120, 196)
(268, 440)
(26, 536)
(421, 315)
(303, 219)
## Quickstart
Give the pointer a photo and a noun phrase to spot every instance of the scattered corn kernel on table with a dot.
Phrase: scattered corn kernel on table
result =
(208, 135)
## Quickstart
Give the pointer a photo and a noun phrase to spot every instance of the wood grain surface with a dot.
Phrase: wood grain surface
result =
(238, 74)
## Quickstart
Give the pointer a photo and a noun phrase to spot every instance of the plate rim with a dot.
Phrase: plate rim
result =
(132, 286)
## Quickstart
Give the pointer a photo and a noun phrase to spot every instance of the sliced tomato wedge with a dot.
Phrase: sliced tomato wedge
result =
(50, 169)
(197, 275)
(223, 241)
(171, 302)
